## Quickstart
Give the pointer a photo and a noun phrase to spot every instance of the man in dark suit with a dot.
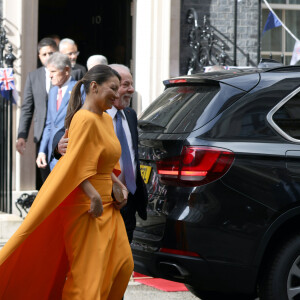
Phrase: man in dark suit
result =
(59, 67)
(35, 102)
(138, 198)
(68, 47)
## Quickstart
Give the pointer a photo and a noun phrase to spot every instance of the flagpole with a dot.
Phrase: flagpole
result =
(9, 208)
(259, 32)
(282, 24)
(235, 33)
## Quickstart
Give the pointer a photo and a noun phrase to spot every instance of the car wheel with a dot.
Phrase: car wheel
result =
(281, 279)
(205, 295)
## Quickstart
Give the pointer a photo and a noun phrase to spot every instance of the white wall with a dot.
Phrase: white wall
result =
(156, 46)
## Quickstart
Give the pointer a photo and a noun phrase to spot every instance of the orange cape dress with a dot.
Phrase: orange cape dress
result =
(60, 251)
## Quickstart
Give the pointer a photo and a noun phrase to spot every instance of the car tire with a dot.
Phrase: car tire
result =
(281, 278)
(206, 295)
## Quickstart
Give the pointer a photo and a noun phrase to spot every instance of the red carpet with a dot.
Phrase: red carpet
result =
(160, 284)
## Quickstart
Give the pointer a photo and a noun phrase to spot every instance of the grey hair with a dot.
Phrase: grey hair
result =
(119, 67)
(96, 60)
(59, 61)
(64, 42)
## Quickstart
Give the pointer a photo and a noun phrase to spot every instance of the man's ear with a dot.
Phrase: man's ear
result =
(68, 70)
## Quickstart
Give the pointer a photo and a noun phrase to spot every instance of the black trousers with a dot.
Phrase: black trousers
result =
(128, 214)
(41, 174)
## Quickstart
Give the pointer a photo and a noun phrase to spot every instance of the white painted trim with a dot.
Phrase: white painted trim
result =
(156, 49)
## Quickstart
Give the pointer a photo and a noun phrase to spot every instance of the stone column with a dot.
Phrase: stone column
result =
(21, 24)
(155, 46)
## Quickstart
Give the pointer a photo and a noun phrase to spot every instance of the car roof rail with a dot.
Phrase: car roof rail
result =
(268, 63)
(293, 68)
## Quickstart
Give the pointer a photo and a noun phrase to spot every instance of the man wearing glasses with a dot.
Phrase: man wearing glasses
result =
(68, 47)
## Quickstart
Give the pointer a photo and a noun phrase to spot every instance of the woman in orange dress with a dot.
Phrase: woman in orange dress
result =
(73, 244)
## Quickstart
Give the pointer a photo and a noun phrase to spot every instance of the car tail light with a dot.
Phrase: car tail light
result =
(195, 166)
(177, 81)
(173, 81)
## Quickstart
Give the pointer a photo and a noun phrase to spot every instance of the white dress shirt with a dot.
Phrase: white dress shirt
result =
(112, 112)
(64, 87)
(48, 80)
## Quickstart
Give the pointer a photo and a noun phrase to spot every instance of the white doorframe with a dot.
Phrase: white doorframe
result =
(156, 44)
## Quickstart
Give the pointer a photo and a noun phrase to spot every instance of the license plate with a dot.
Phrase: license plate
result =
(146, 171)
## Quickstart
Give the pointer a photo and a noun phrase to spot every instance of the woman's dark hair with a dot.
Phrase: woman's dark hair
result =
(99, 74)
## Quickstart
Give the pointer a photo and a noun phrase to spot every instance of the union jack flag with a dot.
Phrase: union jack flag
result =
(6, 79)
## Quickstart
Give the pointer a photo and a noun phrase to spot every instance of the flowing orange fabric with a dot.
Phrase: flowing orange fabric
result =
(60, 251)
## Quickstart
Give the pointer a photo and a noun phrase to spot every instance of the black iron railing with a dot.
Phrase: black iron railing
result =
(6, 130)
(207, 49)
(207, 46)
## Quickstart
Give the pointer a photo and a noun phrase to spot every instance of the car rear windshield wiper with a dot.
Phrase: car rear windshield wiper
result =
(142, 124)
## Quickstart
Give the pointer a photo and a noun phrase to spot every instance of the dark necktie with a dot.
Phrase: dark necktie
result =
(126, 158)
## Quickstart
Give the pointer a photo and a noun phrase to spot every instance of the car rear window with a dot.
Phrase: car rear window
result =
(178, 109)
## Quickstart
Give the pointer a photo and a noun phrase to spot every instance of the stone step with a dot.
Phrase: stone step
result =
(9, 223)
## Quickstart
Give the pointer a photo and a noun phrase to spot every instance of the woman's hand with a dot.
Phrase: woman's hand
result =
(125, 193)
(120, 204)
(96, 208)
(117, 204)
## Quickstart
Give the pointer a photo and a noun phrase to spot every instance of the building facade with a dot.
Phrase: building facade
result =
(158, 39)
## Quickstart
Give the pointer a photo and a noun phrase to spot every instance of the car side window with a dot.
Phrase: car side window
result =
(287, 117)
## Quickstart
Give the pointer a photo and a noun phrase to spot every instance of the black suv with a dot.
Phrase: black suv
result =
(220, 153)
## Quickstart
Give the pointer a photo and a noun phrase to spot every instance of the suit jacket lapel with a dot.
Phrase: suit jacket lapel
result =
(42, 80)
(53, 98)
(131, 125)
(66, 97)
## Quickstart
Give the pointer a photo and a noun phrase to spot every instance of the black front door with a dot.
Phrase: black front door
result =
(97, 27)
